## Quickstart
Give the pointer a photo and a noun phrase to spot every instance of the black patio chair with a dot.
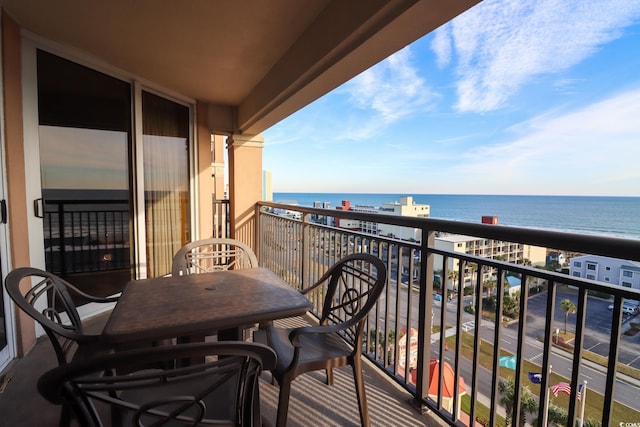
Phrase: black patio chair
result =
(221, 389)
(351, 288)
(47, 299)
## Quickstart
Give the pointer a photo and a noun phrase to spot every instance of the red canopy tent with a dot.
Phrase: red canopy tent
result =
(448, 381)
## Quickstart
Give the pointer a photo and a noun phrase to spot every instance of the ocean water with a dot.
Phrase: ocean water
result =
(610, 216)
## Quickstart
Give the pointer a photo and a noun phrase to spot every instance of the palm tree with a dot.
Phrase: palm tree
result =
(528, 403)
(452, 275)
(473, 266)
(489, 285)
(568, 307)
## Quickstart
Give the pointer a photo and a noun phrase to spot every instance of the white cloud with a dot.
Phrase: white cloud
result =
(499, 45)
(441, 45)
(595, 147)
(392, 89)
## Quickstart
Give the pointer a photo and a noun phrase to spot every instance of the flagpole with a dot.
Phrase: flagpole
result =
(546, 411)
(583, 397)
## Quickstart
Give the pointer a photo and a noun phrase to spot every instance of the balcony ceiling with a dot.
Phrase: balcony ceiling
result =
(254, 61)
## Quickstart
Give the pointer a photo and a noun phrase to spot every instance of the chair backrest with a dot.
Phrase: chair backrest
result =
(353, 286)
(220, 387)
(209, 255)
(46, 298)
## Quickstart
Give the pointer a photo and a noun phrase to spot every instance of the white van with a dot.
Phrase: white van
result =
(629, 309)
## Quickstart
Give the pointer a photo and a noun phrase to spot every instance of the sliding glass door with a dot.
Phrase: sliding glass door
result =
(112, 195)
(84, 145)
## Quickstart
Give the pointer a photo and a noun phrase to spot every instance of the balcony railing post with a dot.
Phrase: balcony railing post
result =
(62, 234)
(545, 384)
(257, 236)
(425, 318)
(306, 248)
(577, 353)
(497, 333)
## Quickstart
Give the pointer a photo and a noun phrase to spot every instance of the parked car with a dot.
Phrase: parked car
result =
(629, 309)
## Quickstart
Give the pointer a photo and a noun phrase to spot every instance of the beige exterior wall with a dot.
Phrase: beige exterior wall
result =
(203, 172)
(536, 254)
(245, 184)
(15, 161)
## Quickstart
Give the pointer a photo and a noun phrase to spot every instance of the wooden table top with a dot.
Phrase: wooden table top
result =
(168, 307)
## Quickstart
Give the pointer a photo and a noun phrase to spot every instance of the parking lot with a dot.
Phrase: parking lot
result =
(598, 320)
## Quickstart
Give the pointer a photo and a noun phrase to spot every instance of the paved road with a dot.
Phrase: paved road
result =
(597, 315)
(596, 338)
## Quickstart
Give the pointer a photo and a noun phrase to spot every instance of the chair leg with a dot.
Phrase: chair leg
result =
(283, 402)
(329, 376)
(65, 416)
(358, 377)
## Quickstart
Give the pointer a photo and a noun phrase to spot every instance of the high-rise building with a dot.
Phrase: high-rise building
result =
(405, 207)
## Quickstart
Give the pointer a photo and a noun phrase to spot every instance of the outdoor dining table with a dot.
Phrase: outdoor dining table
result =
(197, 305)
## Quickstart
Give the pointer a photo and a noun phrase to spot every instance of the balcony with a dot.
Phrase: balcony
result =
(511, 338)
(588, 344)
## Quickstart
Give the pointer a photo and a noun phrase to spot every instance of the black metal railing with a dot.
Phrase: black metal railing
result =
(512, 332)
(83, 236)
(86, 236)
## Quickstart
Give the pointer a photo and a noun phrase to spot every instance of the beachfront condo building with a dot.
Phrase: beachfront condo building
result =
(487, 248)
(405, 207)
(604, 269)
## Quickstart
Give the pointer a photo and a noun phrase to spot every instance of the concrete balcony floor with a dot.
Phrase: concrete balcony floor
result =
(312, 401)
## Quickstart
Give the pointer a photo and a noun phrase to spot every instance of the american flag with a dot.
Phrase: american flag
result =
(565, 388)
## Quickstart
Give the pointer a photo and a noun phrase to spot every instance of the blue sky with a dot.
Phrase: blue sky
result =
(512, 97)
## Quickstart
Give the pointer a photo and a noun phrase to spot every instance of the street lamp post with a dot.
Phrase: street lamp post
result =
(432, 323)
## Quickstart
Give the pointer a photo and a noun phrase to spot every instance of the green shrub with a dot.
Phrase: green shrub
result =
(602, 295)
(489, 303)
(510, 307)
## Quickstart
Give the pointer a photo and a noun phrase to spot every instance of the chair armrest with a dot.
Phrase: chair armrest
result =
(74, 336)
(323, 329)
(310, 288)
(103, 299)
(93, 298)
(320, 281)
